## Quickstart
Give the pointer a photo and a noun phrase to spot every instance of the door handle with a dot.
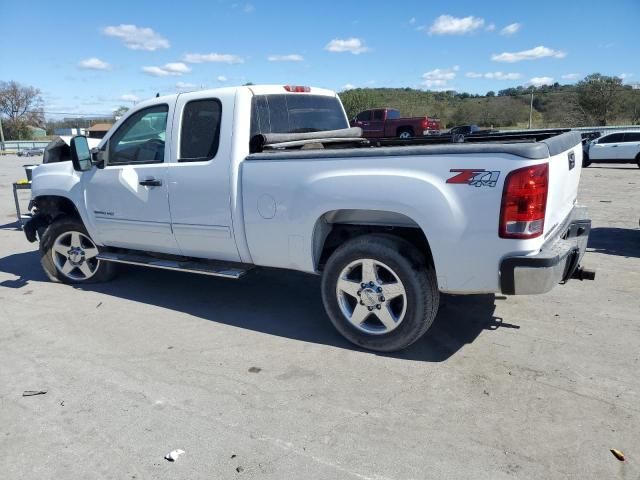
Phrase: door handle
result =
(150, 182)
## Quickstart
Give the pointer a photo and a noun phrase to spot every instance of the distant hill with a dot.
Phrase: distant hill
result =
(554, 106)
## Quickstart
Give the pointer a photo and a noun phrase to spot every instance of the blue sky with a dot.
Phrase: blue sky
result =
(90, 59)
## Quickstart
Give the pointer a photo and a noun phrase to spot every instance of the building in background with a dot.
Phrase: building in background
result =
(70, 131)
(99, 130)
(37, 132)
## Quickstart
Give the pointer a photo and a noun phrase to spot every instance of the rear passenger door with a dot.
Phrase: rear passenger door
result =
(630, 146)
(199, 177)
(376, 126)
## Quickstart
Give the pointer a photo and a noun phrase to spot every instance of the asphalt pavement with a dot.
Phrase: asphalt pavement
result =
(250, 379)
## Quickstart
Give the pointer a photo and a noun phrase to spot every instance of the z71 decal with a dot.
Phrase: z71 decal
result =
(475, 177)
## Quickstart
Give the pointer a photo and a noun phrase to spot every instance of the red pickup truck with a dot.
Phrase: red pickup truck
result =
(387, 122)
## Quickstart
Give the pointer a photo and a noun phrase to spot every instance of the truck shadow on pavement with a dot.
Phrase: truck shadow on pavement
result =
(275, 302)
(624, 242)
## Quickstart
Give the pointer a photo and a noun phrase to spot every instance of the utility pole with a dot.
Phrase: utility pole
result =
(1, 134)
(531, 109)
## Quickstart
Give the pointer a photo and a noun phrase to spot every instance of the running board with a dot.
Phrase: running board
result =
(216, 269)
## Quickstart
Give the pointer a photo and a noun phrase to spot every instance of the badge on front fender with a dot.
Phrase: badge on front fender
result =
(474, 177)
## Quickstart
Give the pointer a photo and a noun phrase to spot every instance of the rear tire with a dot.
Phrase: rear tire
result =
(68, 254)
(405, 133)
(585, 160)
(638, 160)
(356, 279)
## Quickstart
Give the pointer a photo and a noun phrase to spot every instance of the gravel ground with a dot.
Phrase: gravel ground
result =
(250, 379)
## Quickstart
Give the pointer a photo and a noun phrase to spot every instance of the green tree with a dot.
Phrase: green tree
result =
(356, 100)
(20, 107)
(121, 110)
(598, 96)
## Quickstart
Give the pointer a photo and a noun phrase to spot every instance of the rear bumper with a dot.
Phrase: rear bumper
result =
(557, 262)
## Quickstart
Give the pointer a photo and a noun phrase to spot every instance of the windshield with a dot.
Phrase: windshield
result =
(295, 113)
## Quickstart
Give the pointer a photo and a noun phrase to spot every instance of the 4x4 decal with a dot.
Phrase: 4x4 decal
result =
(475, 177)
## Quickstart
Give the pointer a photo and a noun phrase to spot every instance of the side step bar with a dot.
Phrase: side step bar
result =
(215, 269)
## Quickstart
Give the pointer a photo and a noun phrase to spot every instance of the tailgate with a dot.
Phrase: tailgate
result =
(565, 165)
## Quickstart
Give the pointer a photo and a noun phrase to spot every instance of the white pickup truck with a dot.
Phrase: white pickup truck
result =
(220, 181)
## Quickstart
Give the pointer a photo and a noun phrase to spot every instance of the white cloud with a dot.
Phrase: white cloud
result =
(571, 76)
(128, 97)
(212, 58)
(540, 81)
(531, 54)
(352, 45)
(348, 86)
(412, 21)
(448, 25)
(137, 38)
(155, 71)
(175, 68)
(221, 78)
(94, 63)
(510, 29)
(625, 76)
(248, 8)
(494, 75)
(440, 77)
(491, 27)
(292, 57)
(185, 86)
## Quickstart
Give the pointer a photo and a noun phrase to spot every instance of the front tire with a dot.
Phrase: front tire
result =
(69, 255)
(380, 292)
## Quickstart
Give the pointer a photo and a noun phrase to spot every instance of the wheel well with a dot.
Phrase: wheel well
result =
(51, 207)
(406, 128)
(332, 235)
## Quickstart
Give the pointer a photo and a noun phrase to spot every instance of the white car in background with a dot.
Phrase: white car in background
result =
(616, 147)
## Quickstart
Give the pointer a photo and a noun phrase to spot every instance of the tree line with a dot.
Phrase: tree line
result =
(596, 100)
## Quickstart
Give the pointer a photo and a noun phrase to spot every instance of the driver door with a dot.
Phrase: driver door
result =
(128, 198)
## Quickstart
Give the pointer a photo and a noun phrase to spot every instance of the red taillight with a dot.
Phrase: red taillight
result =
(297, 89)
(425, 123)
(524, 202)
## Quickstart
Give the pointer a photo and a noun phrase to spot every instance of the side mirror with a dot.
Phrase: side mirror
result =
(80, 154)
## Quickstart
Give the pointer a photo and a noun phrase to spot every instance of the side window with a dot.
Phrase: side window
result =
(378, 114)
(200, 130)
(613, 138)
(364, 116)
(393, 114)
(140, 139)
(632, 137)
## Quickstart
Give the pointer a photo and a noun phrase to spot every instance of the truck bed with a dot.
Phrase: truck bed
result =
(534, 145)
(292, 195)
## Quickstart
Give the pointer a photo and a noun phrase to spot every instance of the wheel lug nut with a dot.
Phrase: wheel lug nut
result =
(379, 289)
(370, 308)
(378, 306)
(359, 292)
(371, 284)
(381, 298)
(363, 285)
(361, 302)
